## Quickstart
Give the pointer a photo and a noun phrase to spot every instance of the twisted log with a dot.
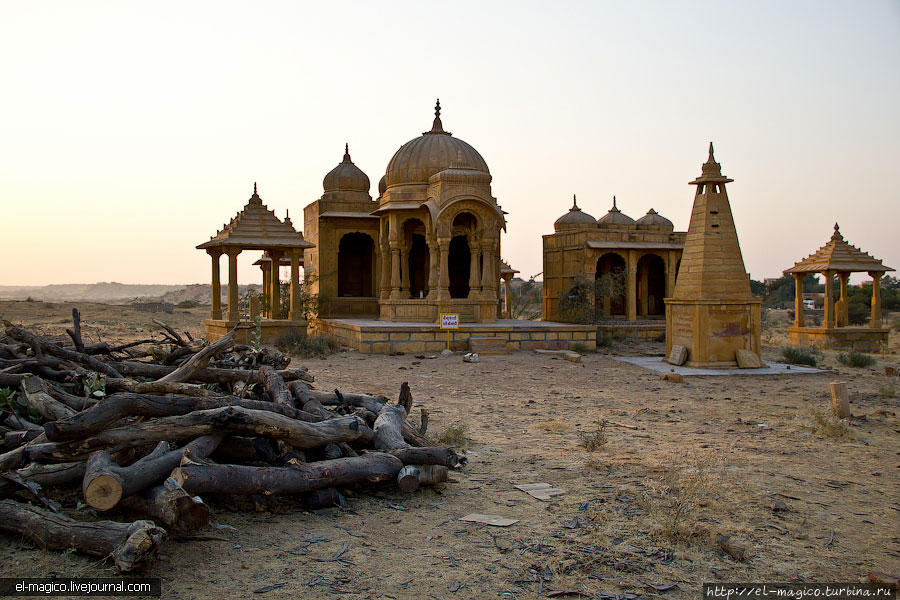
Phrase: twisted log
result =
(170, 505)
(388, 427)
(41, 345)
(186, 370)
(128, 544)
(121, 405)
(34, 390)
(207, 375)
(105, 483)
(373, 467)
(436, 455)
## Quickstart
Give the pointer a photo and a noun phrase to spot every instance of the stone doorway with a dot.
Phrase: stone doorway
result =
(356, 254)
(651, 285)
(612, 265)
(459, 263)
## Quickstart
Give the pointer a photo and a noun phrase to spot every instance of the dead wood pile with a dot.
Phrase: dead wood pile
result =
(143, 431)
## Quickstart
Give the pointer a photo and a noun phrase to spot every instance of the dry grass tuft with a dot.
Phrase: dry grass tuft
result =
(593, 440)
(552, 426)
(825, 424)
(456, 435)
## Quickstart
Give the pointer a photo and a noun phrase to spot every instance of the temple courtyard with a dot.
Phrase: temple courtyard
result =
(801, 497)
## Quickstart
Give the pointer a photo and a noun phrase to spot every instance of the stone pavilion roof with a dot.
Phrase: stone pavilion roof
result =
(256, 227)
(838, 255)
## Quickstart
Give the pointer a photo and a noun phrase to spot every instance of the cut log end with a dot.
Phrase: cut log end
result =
(408, 479)
(103, 492)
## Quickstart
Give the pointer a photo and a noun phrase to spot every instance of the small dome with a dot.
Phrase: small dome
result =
(574, 219)
(615, 218)
(654, 220)
(382, 186)
(346, 177)
(420, 158)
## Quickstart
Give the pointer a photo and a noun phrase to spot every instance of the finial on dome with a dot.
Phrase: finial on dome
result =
(574, 203)
(287, 218)
(711, 157)
(437, 126)
(837, 233)
(254, 188)
(614, 208)
(346, 152)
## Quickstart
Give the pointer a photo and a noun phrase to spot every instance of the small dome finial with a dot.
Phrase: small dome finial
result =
(574, 203)
(437, 108)
(437, 126)
(837, 233)
(346, 152)
(614, 204)
(254, 188)
(711, 157)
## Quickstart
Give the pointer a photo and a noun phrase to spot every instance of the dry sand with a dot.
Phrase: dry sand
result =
(709, 457)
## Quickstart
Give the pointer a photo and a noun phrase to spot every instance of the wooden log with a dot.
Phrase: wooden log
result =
(371, 403)
(17, 422)
(226, 419)
(405, 400)
(128, 544)
(408, 479)
(208, 375)
(175, 335)
(14, 439)
(412, 436)
(435, 455)
(275, 386)
(105, 483)
(373, 467)
(53, 475)
(840, 399)
(170, 505)
(121, 405)
(22, 335)
(34, 390)
(158, 387)
(388, 433)
(75, 332)
(423, 422)
(74, 402)
(200, 360)
(244, 449)
(432, 474)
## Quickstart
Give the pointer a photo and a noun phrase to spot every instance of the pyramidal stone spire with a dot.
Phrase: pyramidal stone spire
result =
(255, 199)
(712, 265)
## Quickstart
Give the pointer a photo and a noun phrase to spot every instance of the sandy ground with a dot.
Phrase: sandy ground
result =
(708, 457)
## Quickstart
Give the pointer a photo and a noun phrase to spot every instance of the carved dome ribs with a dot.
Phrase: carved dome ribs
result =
(346, 177)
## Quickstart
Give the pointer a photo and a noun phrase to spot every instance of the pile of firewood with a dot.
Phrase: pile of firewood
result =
(149, 428)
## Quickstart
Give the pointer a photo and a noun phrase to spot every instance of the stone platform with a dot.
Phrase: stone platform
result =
(862, 339)
(384, 337)
(661, 366)
(649, 330)
(271, 330)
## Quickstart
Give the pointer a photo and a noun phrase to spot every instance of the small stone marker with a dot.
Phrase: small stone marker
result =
(840, 399)
(747, 359)
(495, 520)
(677, 356)
(541, 491)
(890, 371)
(673, 377)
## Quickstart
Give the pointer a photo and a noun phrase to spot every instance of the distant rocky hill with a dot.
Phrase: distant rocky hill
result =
(113, 293)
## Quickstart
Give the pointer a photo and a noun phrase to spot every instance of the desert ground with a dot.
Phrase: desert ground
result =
(759, 459)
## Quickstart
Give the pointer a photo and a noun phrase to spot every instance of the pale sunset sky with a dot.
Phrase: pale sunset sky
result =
(131, 131)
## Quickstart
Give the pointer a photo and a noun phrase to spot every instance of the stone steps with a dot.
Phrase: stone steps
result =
(488, 345)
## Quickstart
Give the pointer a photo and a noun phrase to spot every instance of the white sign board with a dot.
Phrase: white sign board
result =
(449, 321)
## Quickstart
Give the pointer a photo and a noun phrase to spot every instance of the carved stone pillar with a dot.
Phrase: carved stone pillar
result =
(631, 286)
(296, 313)
(875, 320)
(216, 312)
(276, 287)
(404, 271)
(828, 323)
(506, 292)
(842, 314)
(433, 253)
(396, 281)
(475, 273)
(265, 288)
(488, 270)
(385, 271)
(233, 313)
(444, 272)
(798, 300)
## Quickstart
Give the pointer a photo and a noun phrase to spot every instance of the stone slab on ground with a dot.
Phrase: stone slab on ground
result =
(654, 363)
(678, 355)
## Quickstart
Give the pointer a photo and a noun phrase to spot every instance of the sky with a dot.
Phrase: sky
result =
(131, 131)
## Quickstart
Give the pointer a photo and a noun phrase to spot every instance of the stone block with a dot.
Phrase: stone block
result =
(677, 356)
(747, 359)
(422, 337)
(408, 346)
(672, 377)
(381, 347)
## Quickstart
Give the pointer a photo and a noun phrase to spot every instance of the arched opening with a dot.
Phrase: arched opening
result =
(610, 276)
(651, 285)
(356, 255)
(464, 226)
(417, 262)
(458, 263)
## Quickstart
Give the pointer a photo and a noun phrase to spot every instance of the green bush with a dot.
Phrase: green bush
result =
(307, 346)
(857, 360)
(604, 339)
(798, 355)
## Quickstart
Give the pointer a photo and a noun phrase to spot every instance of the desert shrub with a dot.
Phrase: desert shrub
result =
(593, 440)
(604, 339)
(825, 424)
(857, 360)
(579, 347)
(307, 346)
(551, 426)
(888, 391)
(456, 435)
(187, 304)
(799, 355)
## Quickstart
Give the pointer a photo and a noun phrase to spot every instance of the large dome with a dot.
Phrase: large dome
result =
(615, 218)
(432, 152)
(346, 177)
(654, 220)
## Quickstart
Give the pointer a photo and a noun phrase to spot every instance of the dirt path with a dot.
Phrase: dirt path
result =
(709, 458)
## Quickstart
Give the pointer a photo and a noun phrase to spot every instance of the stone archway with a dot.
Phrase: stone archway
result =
(612, 266)
(651, 285)
(417, 261)
(356, 256)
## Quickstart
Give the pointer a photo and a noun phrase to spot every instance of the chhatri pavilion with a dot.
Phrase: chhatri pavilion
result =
(256, 227)
(838, 257)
